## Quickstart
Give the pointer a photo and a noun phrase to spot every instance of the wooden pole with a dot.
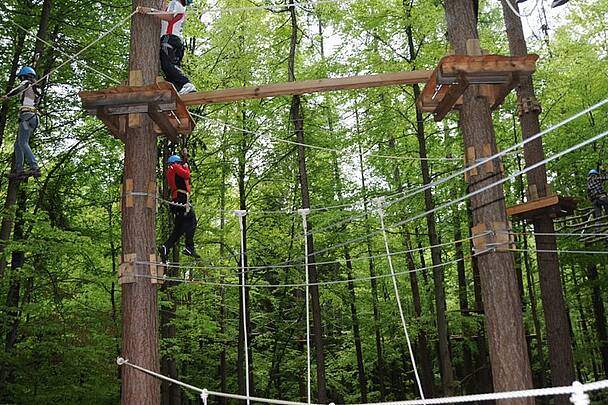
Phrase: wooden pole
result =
(504, 322)
(139, 296)
(561, 359)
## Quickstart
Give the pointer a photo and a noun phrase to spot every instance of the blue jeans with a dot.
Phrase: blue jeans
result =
(28, 122)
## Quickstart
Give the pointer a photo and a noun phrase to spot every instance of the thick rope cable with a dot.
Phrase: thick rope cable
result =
(241, 215)
(84, 63)
(305, 212)
(275, 139)
(577, 391)
(301, 285)
(251, 269)
(70, 59)
(380, 210)
(565, 251)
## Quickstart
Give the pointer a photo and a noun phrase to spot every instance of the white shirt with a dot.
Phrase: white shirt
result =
(174, 27)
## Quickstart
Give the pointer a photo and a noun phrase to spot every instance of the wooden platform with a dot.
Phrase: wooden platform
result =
(497, 76)
(118, 105)
(552, 206)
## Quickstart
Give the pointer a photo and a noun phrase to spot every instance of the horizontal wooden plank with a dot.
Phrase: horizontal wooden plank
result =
(92, 99)
(305, 87)
(486, 66)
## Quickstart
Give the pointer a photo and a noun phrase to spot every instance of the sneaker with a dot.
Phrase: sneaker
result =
(16, 175)
(34, 172)
(164, 254)
(187, 88)
(557, 3)
(189, 251)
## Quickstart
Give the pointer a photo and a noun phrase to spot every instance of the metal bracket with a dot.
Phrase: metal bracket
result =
(157, 273)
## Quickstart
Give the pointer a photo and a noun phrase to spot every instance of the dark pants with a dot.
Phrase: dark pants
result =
(171, 55)
(28, 122)
(600, 202)
(185, 224)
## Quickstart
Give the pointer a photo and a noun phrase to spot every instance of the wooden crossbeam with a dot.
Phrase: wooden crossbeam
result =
(91, 99)
(450, 98)
(305, 87)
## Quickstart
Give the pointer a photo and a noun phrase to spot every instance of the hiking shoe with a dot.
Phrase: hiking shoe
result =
(16, 175)
(164, 254)
(187, 88)
(34, 172)
(189, 251)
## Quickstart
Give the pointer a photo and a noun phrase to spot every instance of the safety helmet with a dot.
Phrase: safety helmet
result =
(26, 71)
(593, 172)
(174, 159)
(189, 2)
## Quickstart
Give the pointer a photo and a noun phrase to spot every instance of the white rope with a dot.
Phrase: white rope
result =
(301, 285)
(102, 36)
(515, 9)
(565, 251)
(557, 234)
(84, 63)
(305, 212)
(241, 214)
(380, 210)
(275, 139)
(576, 390)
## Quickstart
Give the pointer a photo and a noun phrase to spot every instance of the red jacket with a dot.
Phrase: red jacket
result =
(178, 178)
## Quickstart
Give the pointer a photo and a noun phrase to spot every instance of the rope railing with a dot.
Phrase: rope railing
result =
(578, 392)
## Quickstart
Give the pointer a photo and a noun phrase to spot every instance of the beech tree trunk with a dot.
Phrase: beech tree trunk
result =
(380, 369)
(599, 313)
(559, 340)
(504, 322)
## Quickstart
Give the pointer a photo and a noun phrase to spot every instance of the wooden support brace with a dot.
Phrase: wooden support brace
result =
(127, 269)
(156, 272)
(163, 122)
(151, 201)
(450, 98)
(135, 79)
(129, 193)
(489, 167)
(494, 236)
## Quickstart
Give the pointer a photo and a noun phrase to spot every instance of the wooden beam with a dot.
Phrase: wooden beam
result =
(163, 123)
(306, 86)
(479, 68)
(550, 205)
(451, 97)
(91, 99)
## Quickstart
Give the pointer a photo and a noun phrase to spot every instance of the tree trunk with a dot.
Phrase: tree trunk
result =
(463, 300)
(445, 360)
(559, 341)
(297, 120)
(585, 335)
(139, 298)
(222, 314)
(10, 84)
(244, 311)
(380, 372)
(599, 313)
(170, 393)
(504, 322)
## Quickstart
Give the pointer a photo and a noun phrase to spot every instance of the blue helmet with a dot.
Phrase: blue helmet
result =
(189, 2)
(26, 71)
(174, 159)
(593, 172)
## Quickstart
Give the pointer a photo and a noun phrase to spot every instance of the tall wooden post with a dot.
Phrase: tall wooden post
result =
(502, 304)
(139, 297)
(556, 316)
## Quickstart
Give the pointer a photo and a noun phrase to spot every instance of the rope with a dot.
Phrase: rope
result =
(84, 63)
(557, 234)
(270, 7)
(102, 36)
(380, 203)
(515, 9)
(323, 148)
(576, 390)
(300, 285)
(241, 215)
(304, 212)
(581, 252)
(282, 265)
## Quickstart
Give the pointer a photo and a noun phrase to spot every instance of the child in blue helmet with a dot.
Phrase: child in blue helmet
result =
(178, 180)
(596, 192)
(28, 122)
(172, 43)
